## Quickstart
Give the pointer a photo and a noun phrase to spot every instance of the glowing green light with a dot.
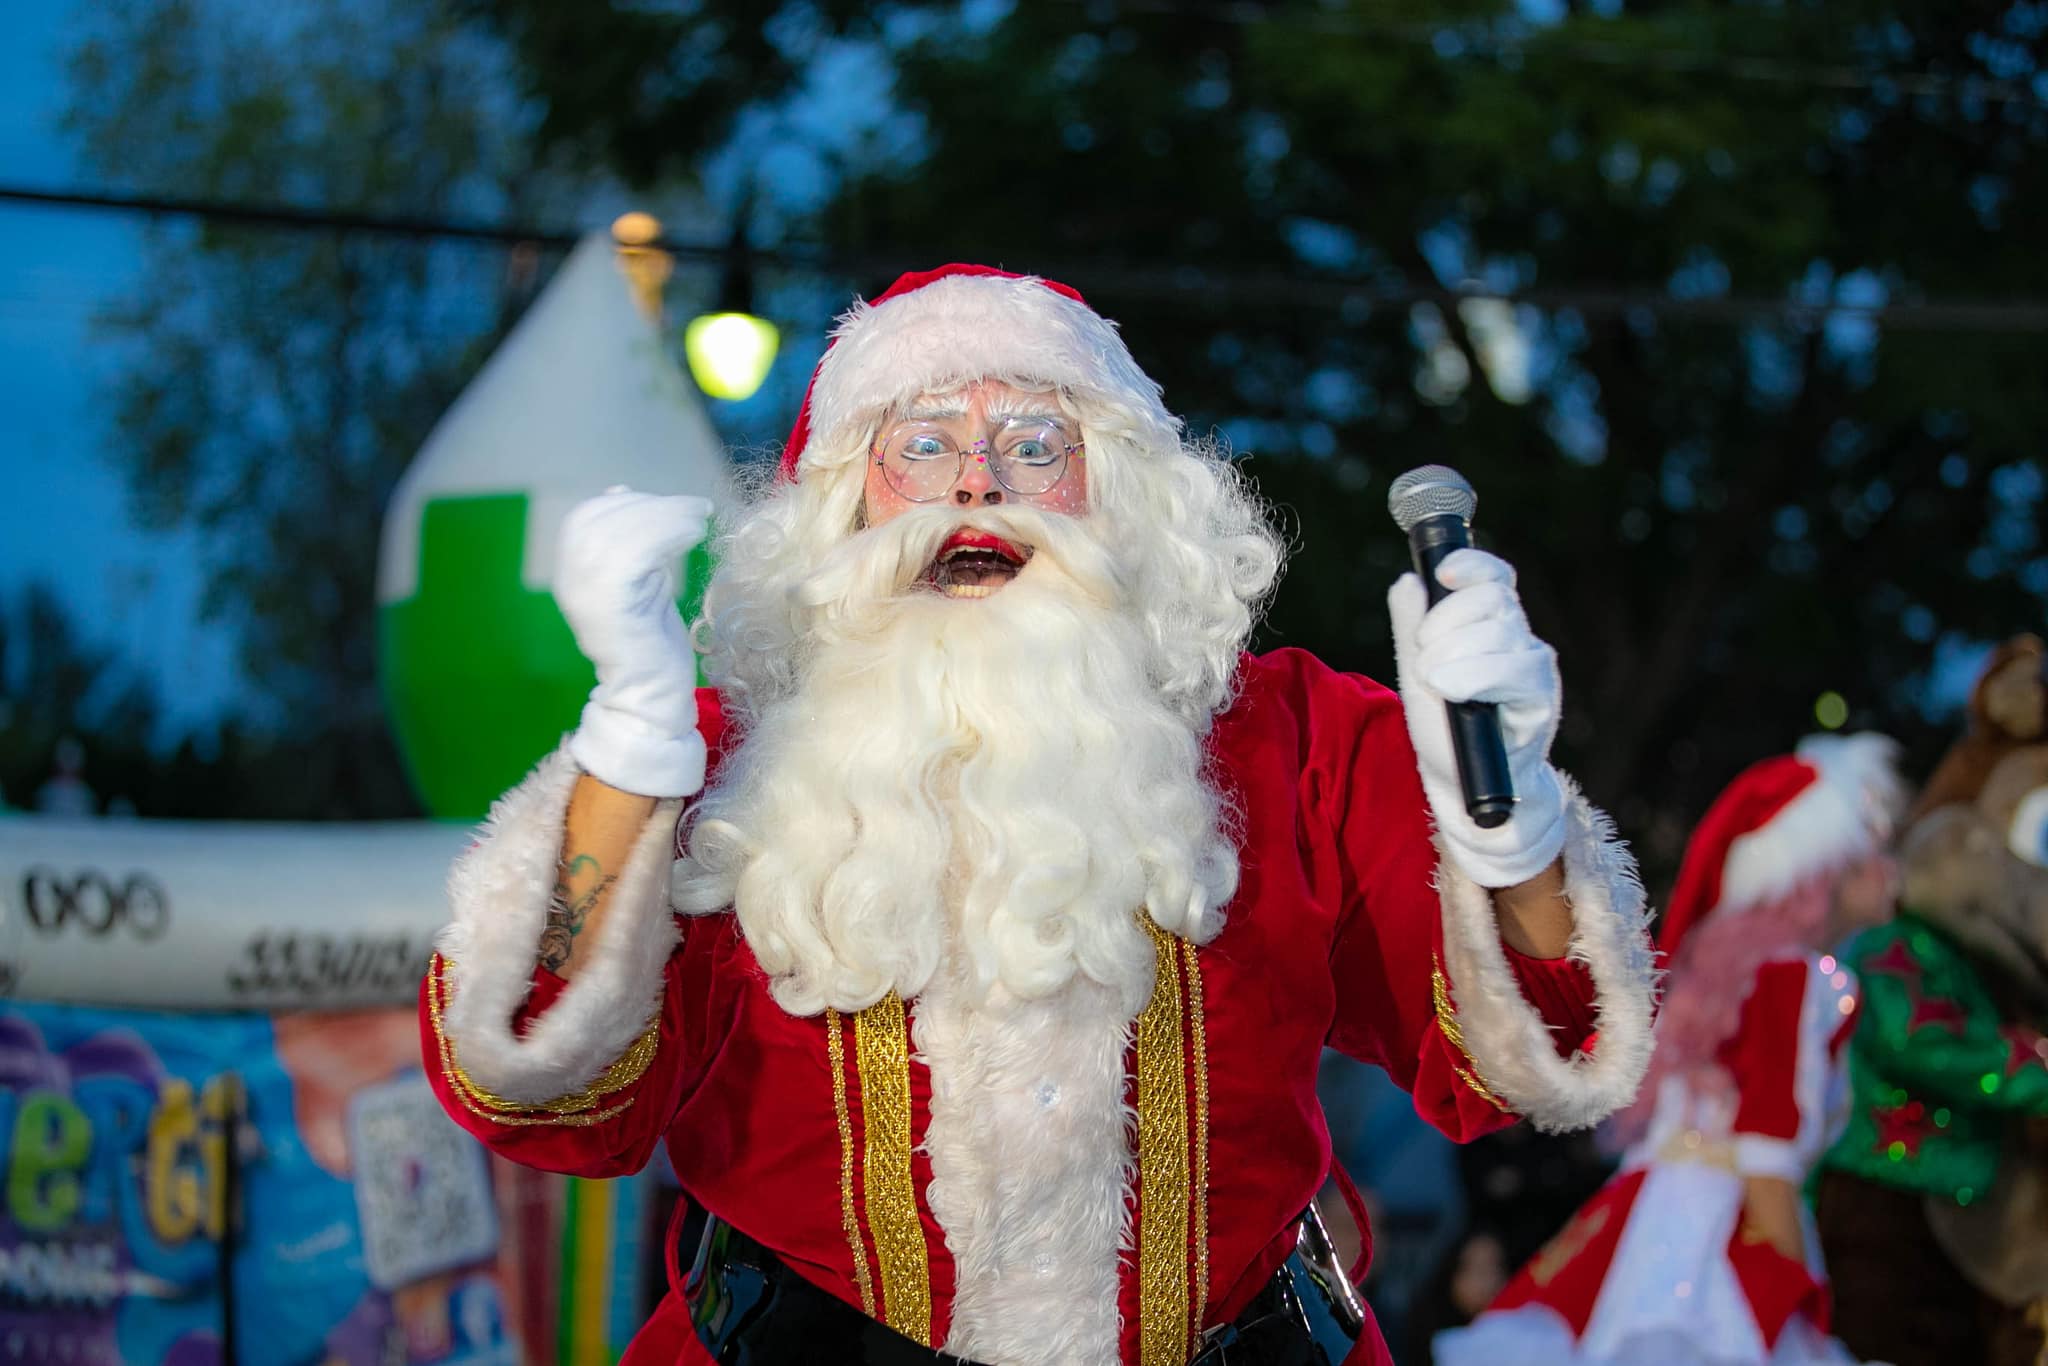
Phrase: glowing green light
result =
(1988, 1083)
(1964, 1195)
(730, 353)
(1941, 1118)
(1831, 709)
(1897, 1151)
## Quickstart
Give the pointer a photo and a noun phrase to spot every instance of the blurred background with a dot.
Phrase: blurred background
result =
(1735, 315)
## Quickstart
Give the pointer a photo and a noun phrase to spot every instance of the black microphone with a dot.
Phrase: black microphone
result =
(1434, 505)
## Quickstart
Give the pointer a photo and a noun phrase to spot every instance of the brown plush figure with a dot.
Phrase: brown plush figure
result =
(1934, 1202)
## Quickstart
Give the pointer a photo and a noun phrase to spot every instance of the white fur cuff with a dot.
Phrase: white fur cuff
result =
(499, 890)
(1508, 1040)
(1756, 1155)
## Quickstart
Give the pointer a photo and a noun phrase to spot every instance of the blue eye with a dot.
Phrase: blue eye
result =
(925, 448)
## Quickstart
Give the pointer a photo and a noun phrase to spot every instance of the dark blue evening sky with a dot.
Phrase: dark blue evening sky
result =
(67, 524)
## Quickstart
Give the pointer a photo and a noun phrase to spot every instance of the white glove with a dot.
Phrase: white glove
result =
(615, 581)
(1476, 646)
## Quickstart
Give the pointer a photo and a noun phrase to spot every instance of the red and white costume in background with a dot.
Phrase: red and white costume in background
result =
(1005, 1183)
(1658, 1266)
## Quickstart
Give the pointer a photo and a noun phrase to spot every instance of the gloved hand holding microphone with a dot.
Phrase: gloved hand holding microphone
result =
(1470, 643)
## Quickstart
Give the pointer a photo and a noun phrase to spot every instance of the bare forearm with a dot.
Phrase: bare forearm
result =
(1770, 1214)
(603, 824)
(1536, 916)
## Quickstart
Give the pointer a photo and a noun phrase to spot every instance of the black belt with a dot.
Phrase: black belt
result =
(750, 1309)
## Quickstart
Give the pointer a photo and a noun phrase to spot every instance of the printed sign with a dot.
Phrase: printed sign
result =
(423, 1187)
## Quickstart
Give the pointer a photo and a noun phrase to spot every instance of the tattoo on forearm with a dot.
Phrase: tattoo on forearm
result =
(568, 909)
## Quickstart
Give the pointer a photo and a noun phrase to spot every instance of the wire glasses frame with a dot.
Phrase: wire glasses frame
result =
(923, 461)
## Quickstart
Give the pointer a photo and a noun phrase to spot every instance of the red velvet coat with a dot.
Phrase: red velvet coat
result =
(1335, 938)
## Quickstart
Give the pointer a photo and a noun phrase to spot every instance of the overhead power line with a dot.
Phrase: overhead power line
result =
(1186, 284)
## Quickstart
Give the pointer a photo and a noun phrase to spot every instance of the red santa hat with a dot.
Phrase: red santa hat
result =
(935, 330)
(1783, 821)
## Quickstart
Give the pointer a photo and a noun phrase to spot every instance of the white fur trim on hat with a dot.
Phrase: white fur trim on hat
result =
(961, 328)
(1845, 813)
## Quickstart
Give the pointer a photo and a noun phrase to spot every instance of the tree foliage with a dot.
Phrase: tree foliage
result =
(277, 384)
(58, 687)
(1726, 490)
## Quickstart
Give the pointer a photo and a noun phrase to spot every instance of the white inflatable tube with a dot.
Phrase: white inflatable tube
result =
(220, 916)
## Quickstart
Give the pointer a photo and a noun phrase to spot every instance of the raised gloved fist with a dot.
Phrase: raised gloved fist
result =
(1476, 646)
(615, 581)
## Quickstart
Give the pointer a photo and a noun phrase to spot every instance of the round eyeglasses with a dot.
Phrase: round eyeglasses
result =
(923, 461)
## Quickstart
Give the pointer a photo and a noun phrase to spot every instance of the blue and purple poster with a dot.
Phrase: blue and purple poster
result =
(190, 1189)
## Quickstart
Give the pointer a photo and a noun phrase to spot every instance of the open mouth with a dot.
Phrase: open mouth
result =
(974, 564)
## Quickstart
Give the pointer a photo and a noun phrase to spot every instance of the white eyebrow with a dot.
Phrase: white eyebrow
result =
(940, 411)
(1025, 415)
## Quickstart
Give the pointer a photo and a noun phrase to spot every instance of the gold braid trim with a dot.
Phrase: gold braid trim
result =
(882, 1050)
(578, 1109)
(1198, 1032)
(835, 1044)
(1557, 1254)
(1454, 1033)
(1163, 1317)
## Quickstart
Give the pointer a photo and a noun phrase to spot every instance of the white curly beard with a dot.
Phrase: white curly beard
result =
(999, 778)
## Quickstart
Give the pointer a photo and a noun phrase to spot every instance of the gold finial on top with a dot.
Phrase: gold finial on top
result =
(647, 266)
(636, 229)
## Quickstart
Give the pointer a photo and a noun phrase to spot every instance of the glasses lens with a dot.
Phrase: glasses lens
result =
(1031, 456)
(921, 460)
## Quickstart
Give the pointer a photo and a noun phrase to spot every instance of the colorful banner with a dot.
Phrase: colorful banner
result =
(185, 1190)
(235, 1185)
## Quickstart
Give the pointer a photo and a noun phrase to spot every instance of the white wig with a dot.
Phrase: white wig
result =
(1018, 776)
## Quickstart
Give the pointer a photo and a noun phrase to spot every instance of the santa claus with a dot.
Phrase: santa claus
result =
(973, 940)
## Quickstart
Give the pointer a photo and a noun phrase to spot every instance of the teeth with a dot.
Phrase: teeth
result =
(968, 590)
(947, 556)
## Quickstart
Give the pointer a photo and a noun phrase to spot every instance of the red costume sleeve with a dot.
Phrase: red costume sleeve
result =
(1764, 1053)
(608, 1129)
(594, 1096)
(1561, 989)
(1786, 1045)
(1366, 821)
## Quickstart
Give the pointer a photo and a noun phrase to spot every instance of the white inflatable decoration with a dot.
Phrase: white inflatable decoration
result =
(582, 395)
(189, 915)
(481, 678)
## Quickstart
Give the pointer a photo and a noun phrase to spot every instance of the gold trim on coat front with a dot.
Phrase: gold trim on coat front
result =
(1173, 1154)
(881, 1050)
(835, 1044)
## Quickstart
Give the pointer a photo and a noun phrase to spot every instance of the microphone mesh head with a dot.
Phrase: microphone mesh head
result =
(1430, 491)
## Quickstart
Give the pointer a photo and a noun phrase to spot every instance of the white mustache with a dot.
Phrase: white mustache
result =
(888, 560)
